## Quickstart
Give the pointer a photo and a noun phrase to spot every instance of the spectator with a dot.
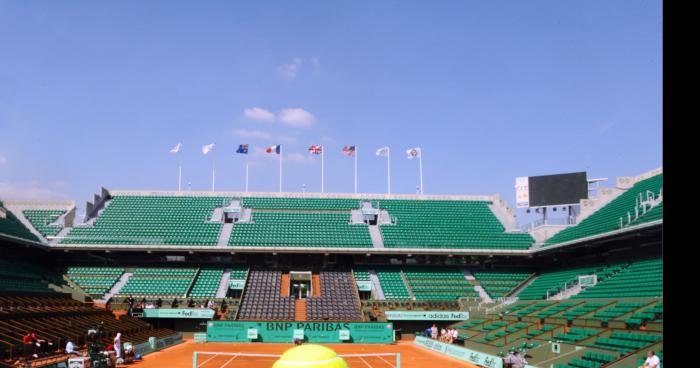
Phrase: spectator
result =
(509, 360)
(175, 303)
(434, 332)
(191, 303)
(427, 332)
(118, 345)
(159, 303)
(224, 306)
(518, 361)
(210, 304)
(455, 335)
(70, 349)
(652, 361)
(443, 335)
(28, 346)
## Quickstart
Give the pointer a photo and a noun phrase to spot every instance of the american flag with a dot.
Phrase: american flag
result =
(316, 150)
(349, 150)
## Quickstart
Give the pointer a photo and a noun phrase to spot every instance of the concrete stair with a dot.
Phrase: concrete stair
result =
(225, 235)
(408, 287)
(376, 235)
(376, 285)
(223, 285)
(61, 234)
(566, 293)
(522, 286)
(483, 294)
(117, 287)
(300, 310)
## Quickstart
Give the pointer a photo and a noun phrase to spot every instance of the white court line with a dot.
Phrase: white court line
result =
(364, 361)
(229, 361)
(387, 362)
(205, 362)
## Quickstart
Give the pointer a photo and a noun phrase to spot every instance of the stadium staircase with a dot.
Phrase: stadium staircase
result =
(225, 235)
(223, 285)
(567, 293)
(284, 285)
(117, 287)
(376, 285)
(523, 286)
(376, 235)
(300, 310)
(483, 294)
(408, 286)
(315, 285)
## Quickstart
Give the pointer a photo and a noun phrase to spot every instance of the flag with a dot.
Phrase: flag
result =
(316, 150)
(413, 153)
(273, 149)
(242, 148)
(207, 148)
(176, 149)
(384, 151)
(349, 150)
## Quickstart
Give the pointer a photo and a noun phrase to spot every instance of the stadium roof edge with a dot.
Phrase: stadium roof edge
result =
(446, 197)
(599, 236)
(237, 249)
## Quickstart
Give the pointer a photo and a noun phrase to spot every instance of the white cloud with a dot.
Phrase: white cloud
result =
(315, 62)
(297, 117)
(259, 114)
(3, 160)
(325, 139)
(30, 190)
(252, 134)
(291, 70)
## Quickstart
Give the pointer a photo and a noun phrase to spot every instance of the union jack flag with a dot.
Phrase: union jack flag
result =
(349, 150)
(316, 150)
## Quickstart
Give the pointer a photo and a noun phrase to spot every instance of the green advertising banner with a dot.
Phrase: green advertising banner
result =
(464, 354)
(426, 316)
(178, 313)
(236, 284)
(318, 332)
(364, 286)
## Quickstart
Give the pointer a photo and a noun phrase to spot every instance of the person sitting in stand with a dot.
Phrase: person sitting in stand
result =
(191, 303)
(70, 349)
(159, 303)
(175, 303)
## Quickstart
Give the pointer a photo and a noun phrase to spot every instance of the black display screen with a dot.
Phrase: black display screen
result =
(551, 190)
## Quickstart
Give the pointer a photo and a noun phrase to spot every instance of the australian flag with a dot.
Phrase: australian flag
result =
(243, 148)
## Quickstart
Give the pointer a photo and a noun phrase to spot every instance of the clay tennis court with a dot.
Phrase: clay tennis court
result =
(180, 356)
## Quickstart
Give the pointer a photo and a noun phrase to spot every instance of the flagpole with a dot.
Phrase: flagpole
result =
(246, 173)
(322, 166)
(213, 172)
(179, 176)
(355, 169)
(420, 167)
(280, 169)
(388, 170)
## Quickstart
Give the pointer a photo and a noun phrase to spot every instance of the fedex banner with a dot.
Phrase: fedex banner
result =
(178, 313)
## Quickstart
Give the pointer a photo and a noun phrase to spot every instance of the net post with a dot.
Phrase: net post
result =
(194, 360)
(398, 360)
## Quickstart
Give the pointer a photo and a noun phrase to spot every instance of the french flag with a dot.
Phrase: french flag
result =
(273, 149)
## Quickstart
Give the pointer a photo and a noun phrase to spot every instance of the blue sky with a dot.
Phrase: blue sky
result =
(95, 94)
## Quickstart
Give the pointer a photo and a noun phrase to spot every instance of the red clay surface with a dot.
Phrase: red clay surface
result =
(180, 356)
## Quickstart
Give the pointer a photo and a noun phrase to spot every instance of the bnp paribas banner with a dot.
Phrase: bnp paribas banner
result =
(426, 316)
(320, 332)
(178, 313)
